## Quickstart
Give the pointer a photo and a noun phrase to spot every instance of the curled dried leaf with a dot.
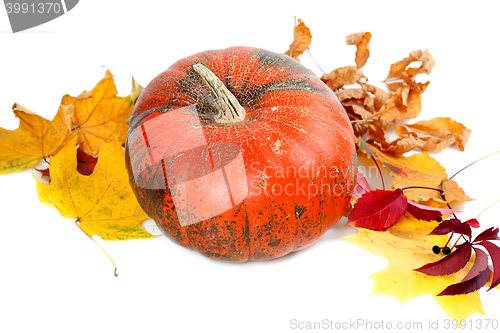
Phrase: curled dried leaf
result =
(409, 140)
(357, 109)
(443, 127)
(399, 69)
(362, 42)
(380, 95)
(301, 40)
(342, 76)
(405, 103)
(425, 58)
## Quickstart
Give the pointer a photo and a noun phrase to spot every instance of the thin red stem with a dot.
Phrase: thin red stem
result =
(473, 163)
(380, 173)
(447, 203)
(424, 187)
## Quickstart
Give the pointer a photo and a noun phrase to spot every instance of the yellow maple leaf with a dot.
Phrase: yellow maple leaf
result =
(407, 247)
(98, 115)
(36, 138)
(137, 90)
(103, 203)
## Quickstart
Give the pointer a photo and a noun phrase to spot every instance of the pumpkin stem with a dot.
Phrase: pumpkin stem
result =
(230, 110)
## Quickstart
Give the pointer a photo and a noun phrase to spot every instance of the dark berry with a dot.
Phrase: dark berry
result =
(439, 218)
(436, 249)
(446, 250)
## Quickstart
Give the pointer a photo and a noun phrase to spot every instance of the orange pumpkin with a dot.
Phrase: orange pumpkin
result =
(241, 154)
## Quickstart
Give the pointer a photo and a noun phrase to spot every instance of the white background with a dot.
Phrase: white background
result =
(54, 279)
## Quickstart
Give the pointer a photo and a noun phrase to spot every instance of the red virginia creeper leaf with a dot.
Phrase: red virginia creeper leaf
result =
(86, 163)
(488, 234)
(427, 213)
(473, 223)
(45, 174)
(378, 210)
(468, 286)
(450, 225)
(451, 263)
(361, 187)
(480, 264)
(494, 252)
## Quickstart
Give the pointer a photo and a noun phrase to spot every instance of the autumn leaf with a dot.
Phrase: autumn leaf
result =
(361, 186)
(478, 275)
(467, 286)
(474, 280)
(99, 115)
(480, 264)
(416, 170)
(473, 223)
(399, 69)
(362, 42)
(452, 225)
(36, 138)
(137, 90)
(443, 127)
(102, 203)
(380, 96)
(405, 103)
(407, 246)
(85, 165)
(342, 76)
(301, 40)
(423, 212)
(378, 209)
(488, 234)
(494, 252)
(453, 191)
(452, 263)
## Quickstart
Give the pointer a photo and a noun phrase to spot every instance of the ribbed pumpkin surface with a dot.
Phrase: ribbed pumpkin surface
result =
(255, 189)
